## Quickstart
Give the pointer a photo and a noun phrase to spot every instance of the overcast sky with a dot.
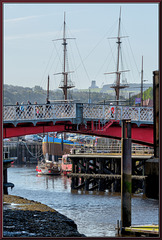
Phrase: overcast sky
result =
(30, 55)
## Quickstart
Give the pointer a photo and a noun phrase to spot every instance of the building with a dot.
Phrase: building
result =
(93, 85)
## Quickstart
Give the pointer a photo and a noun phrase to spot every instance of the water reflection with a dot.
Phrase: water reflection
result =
(95, 213)
(50, 181)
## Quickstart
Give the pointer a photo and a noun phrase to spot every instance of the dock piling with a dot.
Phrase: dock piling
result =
(126, 172)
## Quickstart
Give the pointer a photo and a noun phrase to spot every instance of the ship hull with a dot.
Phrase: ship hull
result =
(55, 148)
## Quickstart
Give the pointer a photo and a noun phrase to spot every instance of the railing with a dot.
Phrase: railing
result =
(84, 111)
(138, 150)
(39, 111)
(95, 111)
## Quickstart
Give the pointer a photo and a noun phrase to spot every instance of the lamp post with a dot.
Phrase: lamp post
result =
(142, 84)
(129, 98)
(142, 81)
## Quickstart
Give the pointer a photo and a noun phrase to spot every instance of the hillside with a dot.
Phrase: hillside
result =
(13, 94)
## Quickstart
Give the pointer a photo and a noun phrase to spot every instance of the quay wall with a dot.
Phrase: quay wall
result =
(25, 152)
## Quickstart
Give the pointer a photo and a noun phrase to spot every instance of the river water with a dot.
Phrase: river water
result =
(95, 213)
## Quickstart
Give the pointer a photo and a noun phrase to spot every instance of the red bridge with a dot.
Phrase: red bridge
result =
(90, 119)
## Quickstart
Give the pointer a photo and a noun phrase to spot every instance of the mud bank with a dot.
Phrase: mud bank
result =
(25, 218)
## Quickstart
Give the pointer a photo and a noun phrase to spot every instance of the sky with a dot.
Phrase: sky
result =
(30, 54)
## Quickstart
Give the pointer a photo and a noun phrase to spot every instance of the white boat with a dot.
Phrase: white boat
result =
(47, 167)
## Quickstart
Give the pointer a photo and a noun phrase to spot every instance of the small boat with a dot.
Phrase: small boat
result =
(66, 165)
(48, 168)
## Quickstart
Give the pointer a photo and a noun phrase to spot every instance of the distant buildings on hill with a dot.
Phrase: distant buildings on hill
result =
(136, 87)
(93, 85)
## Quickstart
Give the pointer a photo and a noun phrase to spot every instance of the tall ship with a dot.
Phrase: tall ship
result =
(53, 147)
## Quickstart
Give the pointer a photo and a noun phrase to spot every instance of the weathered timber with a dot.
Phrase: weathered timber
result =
(126, 172)
(110, 176)
(109, 169)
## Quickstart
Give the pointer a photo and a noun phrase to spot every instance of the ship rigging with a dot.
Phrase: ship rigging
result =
(65, 83)
(117, 84)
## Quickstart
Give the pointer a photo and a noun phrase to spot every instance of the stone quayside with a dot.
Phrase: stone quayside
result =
(25, 218)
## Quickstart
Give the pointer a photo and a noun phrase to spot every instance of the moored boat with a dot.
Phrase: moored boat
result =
(66, 165)
(48, 168)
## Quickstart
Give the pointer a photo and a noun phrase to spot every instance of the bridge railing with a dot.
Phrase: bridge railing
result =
(95, 111)
(39, 111)
(136, 149)
(67, 110)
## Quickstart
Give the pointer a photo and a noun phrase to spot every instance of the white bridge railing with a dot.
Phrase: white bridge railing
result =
(39, 111)
(94, 111)
(136, 149)
(83, 111)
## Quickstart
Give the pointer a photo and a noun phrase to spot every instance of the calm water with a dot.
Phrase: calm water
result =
(95, 214)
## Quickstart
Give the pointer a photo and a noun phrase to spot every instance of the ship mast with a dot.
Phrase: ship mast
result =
(117, 70)
(48, 89)
(117, 86)
(65, 84)
(142, 84)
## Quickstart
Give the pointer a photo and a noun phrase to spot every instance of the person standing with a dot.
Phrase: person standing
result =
(22, 110)
(48, 108)
(29, 108)
(36, 110)
(17, 110)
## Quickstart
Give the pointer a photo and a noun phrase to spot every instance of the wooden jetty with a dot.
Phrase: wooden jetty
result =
(103, 172)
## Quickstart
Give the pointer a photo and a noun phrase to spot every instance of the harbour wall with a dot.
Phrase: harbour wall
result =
(23, 152)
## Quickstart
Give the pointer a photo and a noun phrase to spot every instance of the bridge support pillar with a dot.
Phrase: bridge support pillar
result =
(126, 172)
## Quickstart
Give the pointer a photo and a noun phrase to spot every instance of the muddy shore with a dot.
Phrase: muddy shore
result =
(25, 218)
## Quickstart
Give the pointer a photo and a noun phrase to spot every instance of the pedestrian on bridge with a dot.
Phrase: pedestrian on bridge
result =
(22, 110)
(17, 110)
(36, 110)
(48, 108)
(29, 108)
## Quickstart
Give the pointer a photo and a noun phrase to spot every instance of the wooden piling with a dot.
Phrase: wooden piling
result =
(73, 178)
(87, 171)
(101, 180)
(77, 171)
(126, 172)
(82, 163)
